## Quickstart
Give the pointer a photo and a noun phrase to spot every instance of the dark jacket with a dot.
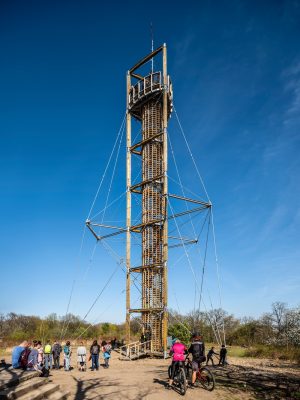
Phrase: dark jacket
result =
(223, 352)
(211, 353)
(95, 349)
(197, 349)
(56, 350)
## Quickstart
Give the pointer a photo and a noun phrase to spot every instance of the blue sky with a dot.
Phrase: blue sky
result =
(236, 74)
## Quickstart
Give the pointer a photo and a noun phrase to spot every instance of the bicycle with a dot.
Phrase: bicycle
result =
(179, 377)
(204, 376)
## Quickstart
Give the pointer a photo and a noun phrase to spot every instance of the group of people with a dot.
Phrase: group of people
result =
(197, 350)
(95, 351)
(34, 355)
(222, 354)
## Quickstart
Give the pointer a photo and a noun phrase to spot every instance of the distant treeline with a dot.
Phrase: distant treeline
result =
(278, 328)
(18, 327)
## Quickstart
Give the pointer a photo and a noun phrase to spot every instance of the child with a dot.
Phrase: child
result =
(223, 353)
(106, 350)
(210, 355)
(81, 357)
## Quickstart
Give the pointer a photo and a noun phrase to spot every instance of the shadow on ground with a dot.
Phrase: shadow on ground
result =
(9, 376)
(265, 385)
(96, 389)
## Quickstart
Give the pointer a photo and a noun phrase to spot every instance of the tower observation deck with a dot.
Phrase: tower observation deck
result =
(149, 100)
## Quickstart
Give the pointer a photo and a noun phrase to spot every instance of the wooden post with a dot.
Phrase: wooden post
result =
(128, 208)
(165, 201)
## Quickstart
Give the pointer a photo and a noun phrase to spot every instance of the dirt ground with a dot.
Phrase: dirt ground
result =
(244, 379)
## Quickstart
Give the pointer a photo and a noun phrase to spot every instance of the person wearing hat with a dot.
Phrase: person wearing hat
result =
(197, 349)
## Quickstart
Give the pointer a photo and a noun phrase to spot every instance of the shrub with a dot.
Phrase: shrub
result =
(275, 352)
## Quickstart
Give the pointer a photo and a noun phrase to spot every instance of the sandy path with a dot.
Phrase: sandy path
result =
(142, 379)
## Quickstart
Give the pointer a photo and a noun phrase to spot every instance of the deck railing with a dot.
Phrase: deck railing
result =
(135, 350)
(149, 84)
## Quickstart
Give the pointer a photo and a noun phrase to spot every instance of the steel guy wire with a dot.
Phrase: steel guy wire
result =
(191, 154)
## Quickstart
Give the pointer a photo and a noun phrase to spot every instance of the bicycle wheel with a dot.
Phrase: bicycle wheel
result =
(182, 381)
(206, 379)
(188, 372)
(170, 371)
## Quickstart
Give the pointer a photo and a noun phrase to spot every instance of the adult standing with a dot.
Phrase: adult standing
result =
(95, 351)
(81, 357)
(48, 355)
(56, 350)
(147, 339)
(67, 356)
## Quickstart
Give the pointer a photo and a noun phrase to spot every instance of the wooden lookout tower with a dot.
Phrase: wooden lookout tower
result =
(149, 100)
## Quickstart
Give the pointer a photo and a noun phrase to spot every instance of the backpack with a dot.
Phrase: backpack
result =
(107, 350)
(44, 372)
(48, 349)
(197, 350)
(95, 349)
(24, 358)
(56, 350)
(66, 350)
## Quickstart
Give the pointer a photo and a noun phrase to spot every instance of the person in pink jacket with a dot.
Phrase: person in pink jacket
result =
(177, 351)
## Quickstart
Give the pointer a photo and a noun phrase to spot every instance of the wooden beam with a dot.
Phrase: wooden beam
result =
(143, 142)
(128, 208)
(143, 267)
(143, 183)
(144, 310)
(135, 228)
(137, 76)
(165, 205)
(145, 59)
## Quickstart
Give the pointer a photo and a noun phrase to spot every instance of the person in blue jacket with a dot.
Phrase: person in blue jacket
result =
(16, 354)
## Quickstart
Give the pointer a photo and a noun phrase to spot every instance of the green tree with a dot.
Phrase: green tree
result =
(181, 332)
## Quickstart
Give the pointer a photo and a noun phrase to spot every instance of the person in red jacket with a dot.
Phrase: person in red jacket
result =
(177, 351)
